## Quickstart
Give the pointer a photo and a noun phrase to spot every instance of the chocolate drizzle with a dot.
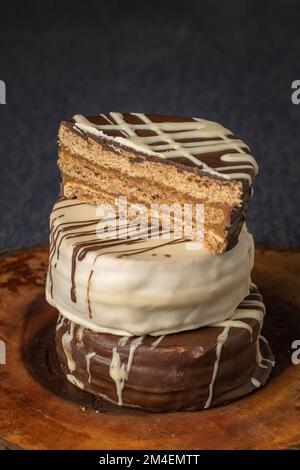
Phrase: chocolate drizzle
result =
(81, 229)
(190, 142)
(67, 228)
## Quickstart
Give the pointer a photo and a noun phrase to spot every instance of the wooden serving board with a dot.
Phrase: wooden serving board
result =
(39, 409)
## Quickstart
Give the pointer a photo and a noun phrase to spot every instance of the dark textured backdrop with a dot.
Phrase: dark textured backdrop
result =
(230, 61)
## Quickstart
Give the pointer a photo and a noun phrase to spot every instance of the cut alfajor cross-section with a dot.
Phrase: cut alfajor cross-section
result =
(155, 159)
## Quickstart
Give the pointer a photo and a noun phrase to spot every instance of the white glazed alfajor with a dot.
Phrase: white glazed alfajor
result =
(139, 287)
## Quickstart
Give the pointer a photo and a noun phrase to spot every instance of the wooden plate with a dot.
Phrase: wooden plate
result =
(39, 409)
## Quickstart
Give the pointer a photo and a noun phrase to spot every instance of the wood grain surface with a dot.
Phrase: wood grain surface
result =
(39, 409)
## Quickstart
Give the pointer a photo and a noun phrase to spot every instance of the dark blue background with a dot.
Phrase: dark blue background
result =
(230, 61)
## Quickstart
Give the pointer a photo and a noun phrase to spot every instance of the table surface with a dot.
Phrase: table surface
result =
(232, 61)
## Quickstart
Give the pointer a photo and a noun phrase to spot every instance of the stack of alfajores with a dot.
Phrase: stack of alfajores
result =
(147, 322)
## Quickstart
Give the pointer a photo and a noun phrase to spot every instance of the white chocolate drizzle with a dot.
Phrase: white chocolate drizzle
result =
(132, 348)
(234, 324)
(263, 339)
(251, 308)
(60, 321)
(118, 371)
(79, 333)
(188, 140)
(259, 358)
(156, 342)
(122, 341)
(269, 361)
(255, 382)
(220, 343)
(88, 359)
(66, 340)
(75, 381)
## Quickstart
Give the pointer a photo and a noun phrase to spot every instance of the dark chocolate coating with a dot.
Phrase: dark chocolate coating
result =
(177, 373)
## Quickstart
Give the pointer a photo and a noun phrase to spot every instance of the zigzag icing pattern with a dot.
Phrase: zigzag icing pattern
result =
(190, 140)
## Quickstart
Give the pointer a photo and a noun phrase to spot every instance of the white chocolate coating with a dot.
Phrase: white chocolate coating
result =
(133, 289)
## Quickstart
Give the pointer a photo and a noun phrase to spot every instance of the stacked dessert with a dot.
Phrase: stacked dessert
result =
(148, 322)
